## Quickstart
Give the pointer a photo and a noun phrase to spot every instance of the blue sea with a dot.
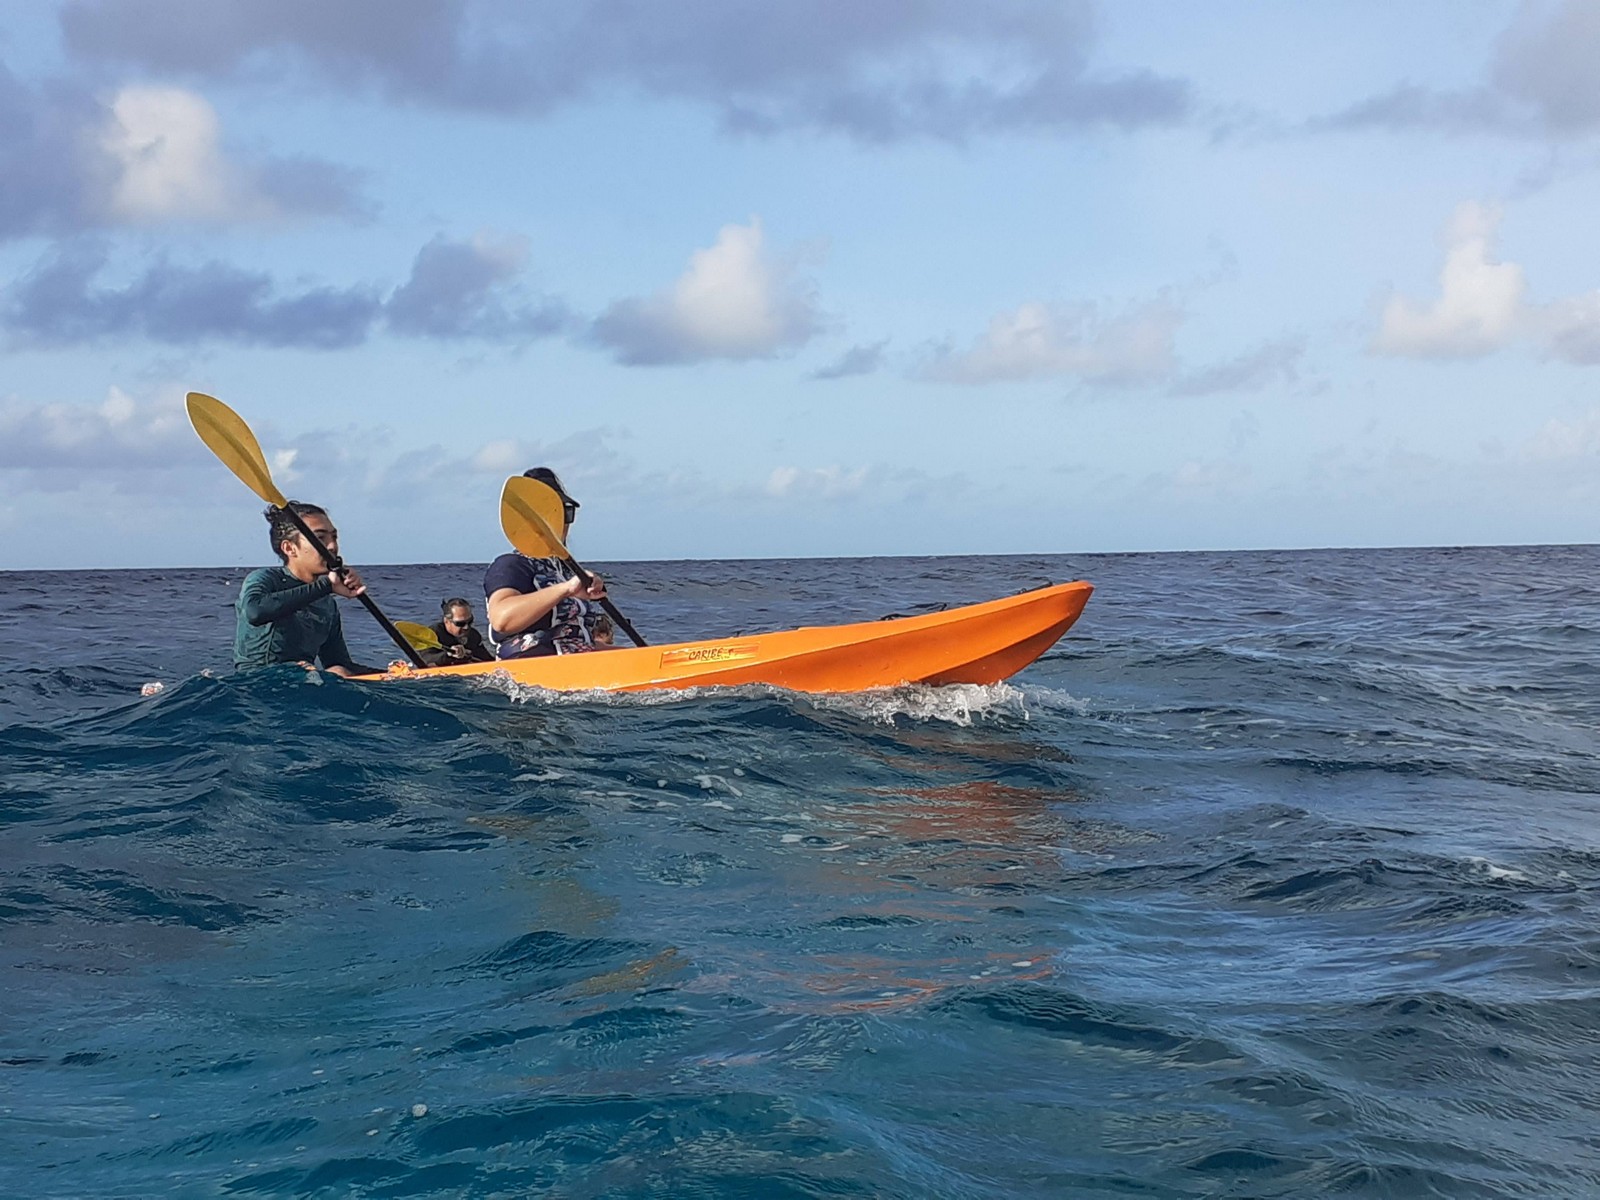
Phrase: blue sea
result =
(1278, 876)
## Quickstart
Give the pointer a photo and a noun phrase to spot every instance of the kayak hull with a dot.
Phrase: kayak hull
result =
(978, 643)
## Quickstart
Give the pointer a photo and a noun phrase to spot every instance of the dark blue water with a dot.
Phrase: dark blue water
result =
(1279, 876)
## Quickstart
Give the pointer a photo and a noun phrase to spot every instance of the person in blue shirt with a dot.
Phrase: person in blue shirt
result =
(287, 614)
(539, 606)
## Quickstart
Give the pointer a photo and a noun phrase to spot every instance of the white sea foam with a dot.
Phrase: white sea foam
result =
(1496, 872)
(1046, 699)
(954, 704)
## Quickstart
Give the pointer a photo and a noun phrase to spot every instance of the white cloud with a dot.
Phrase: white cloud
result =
(825, 483)
(1273, 363)
(1479, 302)
(500, 457)
(1209, 478)
(852, 488)
(1039, 341)
(1569, 329)
(733, 302)
(118, 433)
(165, 144)
(1565, 442)
(71, 161)
(587, 461)
(1482, 306)
(119, 407)
(283, 468)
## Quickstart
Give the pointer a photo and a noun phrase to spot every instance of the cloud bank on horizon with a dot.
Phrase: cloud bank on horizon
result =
(806, 277)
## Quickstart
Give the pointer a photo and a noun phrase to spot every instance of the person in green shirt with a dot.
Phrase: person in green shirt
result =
(287, 614)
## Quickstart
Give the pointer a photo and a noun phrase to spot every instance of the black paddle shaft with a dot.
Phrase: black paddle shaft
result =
(336, 564)
(605, 602)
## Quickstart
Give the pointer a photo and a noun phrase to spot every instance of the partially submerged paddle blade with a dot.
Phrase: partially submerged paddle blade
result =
(420, 636)
(530, 514)
(230, 439)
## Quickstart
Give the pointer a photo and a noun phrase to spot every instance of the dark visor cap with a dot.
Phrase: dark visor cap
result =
(546, 475)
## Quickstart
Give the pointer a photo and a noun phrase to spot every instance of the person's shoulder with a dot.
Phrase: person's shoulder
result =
(261, 576)
(438, 629)
(509, 570)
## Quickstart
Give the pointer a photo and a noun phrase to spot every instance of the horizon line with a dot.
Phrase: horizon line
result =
(874, 557)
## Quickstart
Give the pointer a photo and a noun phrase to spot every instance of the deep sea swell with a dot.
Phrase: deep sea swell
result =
(1279, 876)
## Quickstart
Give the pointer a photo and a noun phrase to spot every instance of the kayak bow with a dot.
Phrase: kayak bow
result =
(979, 643)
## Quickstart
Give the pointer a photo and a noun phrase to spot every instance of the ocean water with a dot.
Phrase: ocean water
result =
(1278, 876)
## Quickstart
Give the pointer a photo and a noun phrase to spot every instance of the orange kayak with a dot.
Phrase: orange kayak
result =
(980, 643)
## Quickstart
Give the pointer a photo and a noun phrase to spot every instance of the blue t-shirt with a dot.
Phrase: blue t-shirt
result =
(566, 629)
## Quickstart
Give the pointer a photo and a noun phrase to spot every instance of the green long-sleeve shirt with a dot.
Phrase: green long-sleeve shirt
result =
(282, 620)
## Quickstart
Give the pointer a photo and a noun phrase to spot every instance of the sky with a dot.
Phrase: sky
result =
(803, 277)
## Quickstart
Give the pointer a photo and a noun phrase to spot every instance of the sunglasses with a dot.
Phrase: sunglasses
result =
(569, 508)
(463, 624)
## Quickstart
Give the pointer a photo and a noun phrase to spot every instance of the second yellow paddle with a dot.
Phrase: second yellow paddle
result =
(530, 514)
(420, 636)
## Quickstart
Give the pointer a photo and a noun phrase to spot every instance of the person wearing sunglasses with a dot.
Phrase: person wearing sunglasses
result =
(539, 606)
(459, 639)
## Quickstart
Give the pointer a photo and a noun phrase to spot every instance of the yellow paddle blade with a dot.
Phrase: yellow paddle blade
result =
(530, 514)
(230, 439)
(420, 636)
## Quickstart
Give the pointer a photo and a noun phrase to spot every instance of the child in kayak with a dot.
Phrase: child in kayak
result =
(539, 606)
(286, 614)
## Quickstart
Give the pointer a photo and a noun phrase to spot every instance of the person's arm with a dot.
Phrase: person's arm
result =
(512, 612)
(263, 606)
(452, 650)
(477, 651)
(517, 602)
(335, 655)
(442, 656)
